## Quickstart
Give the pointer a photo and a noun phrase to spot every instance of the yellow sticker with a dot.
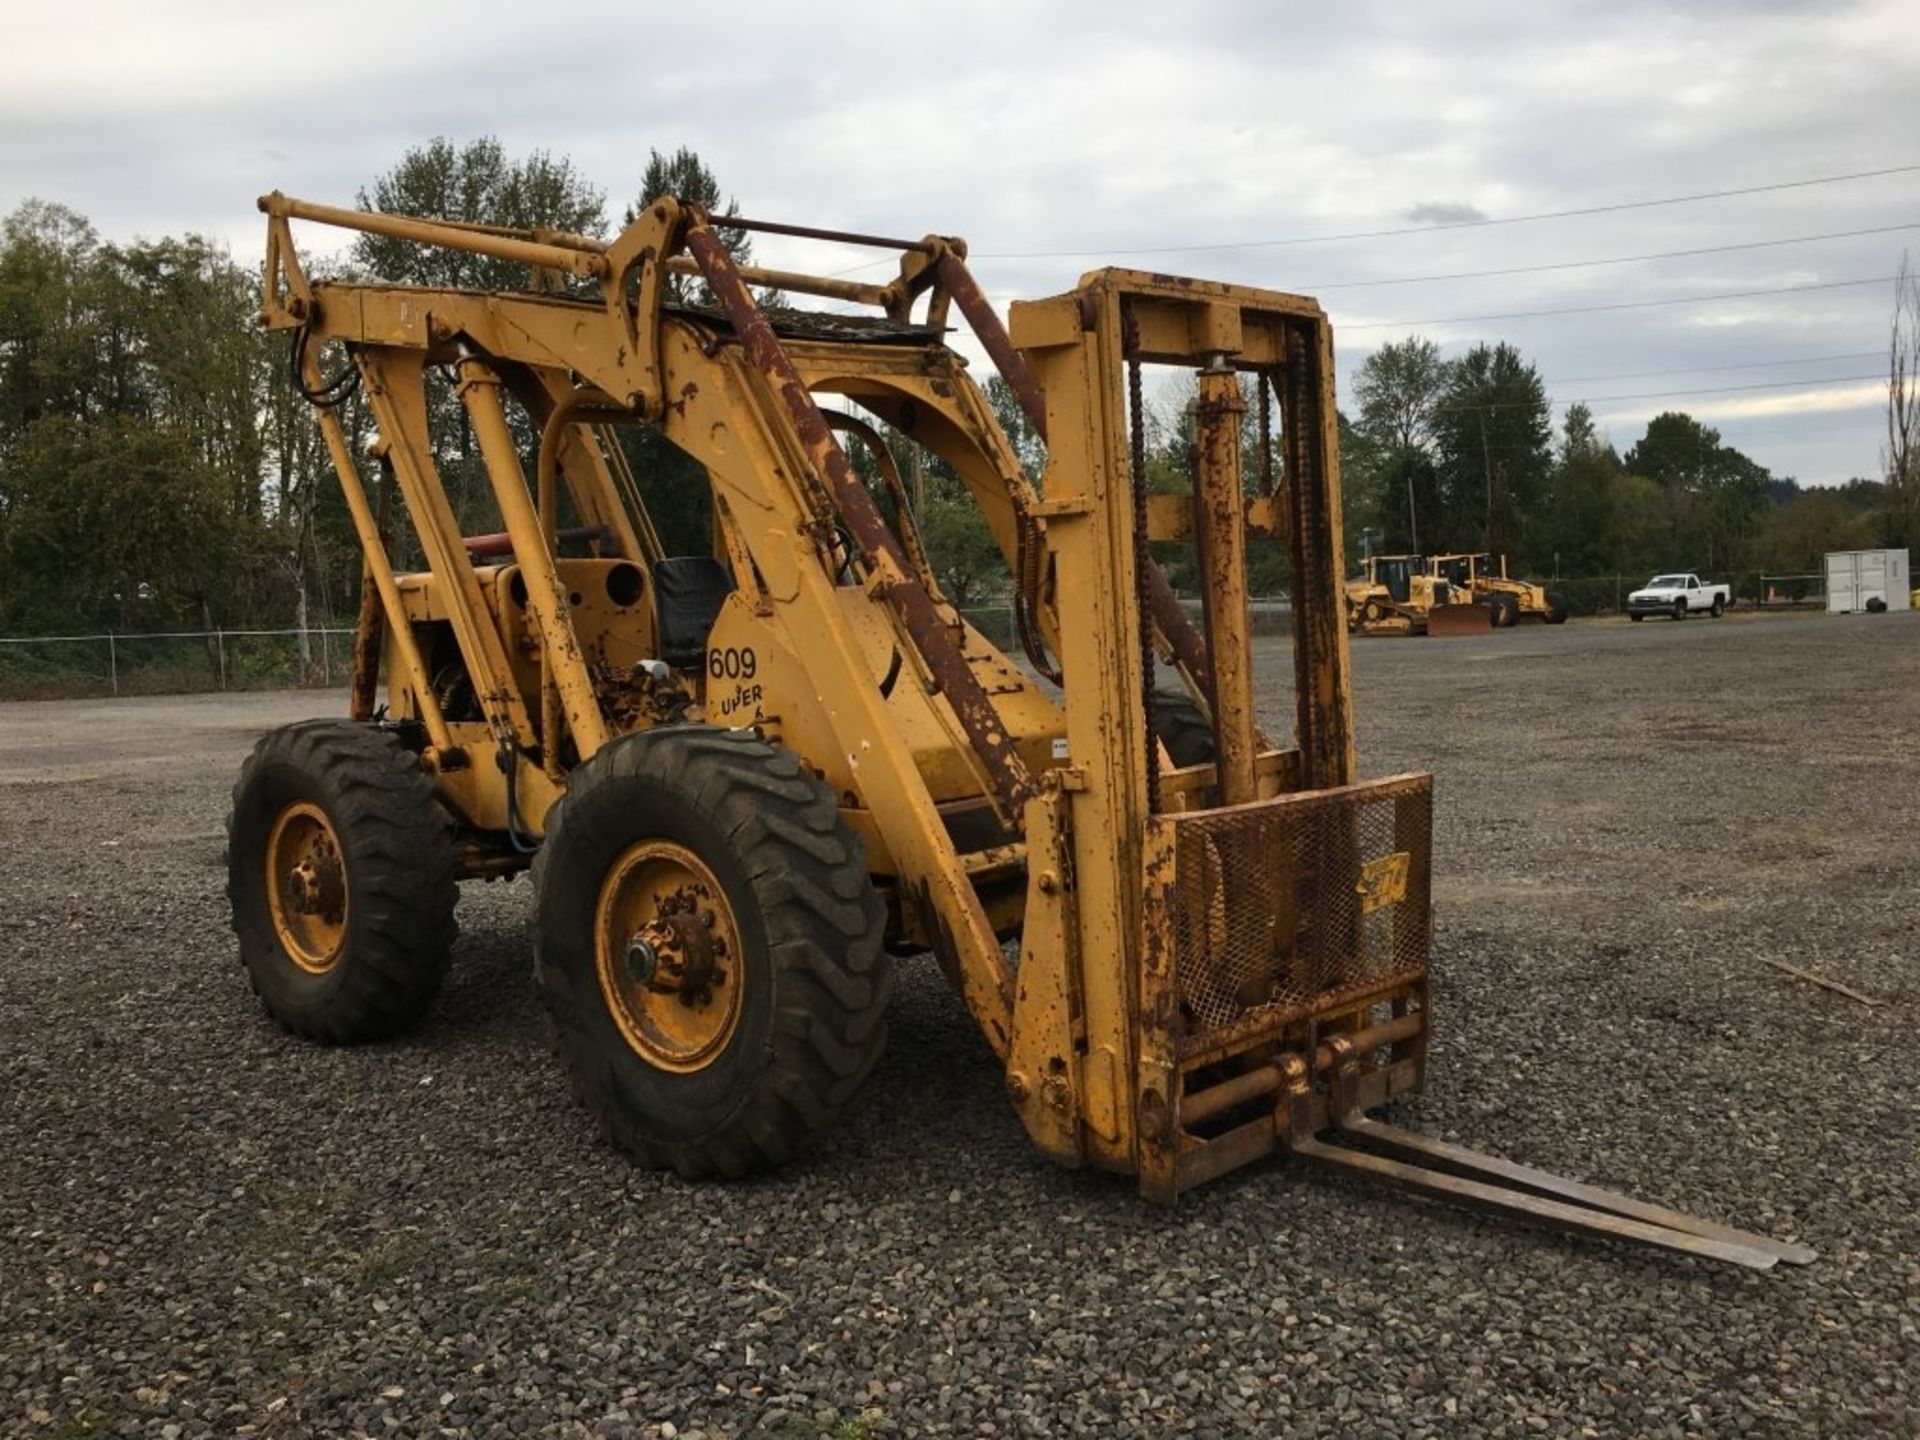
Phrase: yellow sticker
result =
(1383, 882)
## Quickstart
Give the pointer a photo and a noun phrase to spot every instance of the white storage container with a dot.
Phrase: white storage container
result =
(1856, 576)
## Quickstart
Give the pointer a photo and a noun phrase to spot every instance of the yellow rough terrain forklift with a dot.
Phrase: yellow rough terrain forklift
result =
(1481, 579)
(746, 779)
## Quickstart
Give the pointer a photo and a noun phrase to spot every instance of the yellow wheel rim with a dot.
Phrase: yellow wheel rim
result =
(668, 953)
(307, 888)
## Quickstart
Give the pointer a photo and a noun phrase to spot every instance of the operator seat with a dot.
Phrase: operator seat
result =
(688, 591)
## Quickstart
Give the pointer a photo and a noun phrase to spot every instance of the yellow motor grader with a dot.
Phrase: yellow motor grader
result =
(746, 779)
(1481, 579)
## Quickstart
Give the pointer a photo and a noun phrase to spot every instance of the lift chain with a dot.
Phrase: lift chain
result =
(1142, 556)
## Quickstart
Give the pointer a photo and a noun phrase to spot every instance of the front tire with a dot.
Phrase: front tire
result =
(1556, 607)
(1679, 609)
(340, 873)
(709, 946)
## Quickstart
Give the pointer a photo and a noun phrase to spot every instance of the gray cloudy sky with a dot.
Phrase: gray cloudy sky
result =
(1113, 128)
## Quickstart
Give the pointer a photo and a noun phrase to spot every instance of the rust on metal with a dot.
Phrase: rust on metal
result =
(1267, 902)
(1006, 772)
(1219, 527)
(1169, 616)
(1323, 702)
(368, 632)
(814, 232)
(954, 277)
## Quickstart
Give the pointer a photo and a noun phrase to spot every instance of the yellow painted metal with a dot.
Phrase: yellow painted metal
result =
(1483, 579)
(396, 392)
(915, 731)
(1383, 882)
(452, 236)
(408, 662)
(565, 670)
(306, 884)
(1042, 1063)
(669, 956)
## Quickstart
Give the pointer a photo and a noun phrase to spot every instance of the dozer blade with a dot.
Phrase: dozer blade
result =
(1507, 1188)
(1459, 620)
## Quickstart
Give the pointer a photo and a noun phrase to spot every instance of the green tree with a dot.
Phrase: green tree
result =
(1364, 492)
(110, 522)
(476, 183)
(960, 548)
(1013, 422)
(1398, 389)
(686, 177)
(132, 386)
(1795, 539)
(1716, 497)
(1571, 531)
(1638, 535)
(52, 333)
(1493, 436)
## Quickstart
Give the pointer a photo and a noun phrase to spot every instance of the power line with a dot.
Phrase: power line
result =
(1420, 229)
(1724, 389)
(1614, 260)
(1621, 305)
(1715, 369)
(1655, 394)
(1454, 224)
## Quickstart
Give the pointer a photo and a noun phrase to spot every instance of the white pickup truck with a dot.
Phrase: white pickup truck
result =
(1678, 595)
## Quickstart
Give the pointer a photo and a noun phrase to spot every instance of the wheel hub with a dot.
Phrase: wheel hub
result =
(666, 948)
(306, 884)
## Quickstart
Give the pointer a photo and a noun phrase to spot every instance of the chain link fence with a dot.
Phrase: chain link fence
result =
(43, 667)
(1607, 594)
(49, 667)
(110, 663)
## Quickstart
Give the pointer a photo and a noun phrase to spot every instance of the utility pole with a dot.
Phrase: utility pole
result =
(1486, 466)
(1413, 520)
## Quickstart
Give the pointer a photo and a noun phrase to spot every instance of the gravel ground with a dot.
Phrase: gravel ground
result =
(208, 1227)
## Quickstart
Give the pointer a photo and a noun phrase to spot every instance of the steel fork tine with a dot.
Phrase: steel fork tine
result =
(1559, 1187)
(1500, 1200)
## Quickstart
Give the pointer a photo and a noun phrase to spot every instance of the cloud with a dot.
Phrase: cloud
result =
(1864, 395)
(1563, 105)
(1445, 212)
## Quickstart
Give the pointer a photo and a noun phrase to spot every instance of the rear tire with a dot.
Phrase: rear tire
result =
(734, 1074)
(340, 873)
(1556, 607)
(1179, 725)
(1636, 619)
(1719, 608)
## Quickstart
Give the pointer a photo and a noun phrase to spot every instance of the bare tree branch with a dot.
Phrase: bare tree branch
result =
(1903, 399)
